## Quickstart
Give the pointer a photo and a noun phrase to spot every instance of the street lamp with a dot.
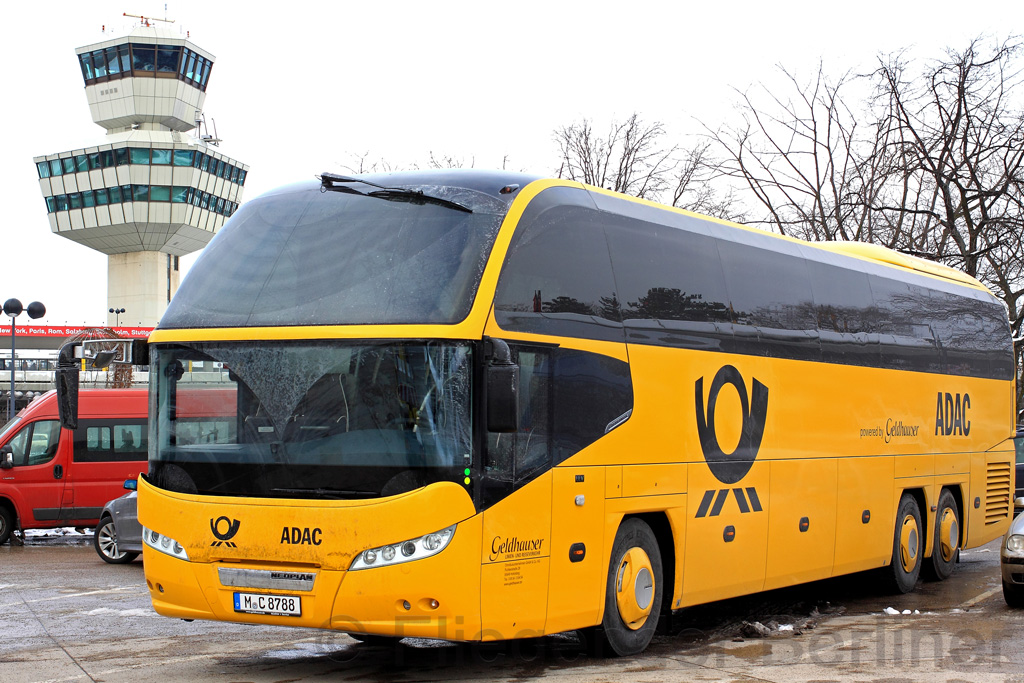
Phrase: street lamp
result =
(12, 307)
(117, 312)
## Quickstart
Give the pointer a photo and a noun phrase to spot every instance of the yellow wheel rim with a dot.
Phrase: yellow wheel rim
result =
(634, 588)
(909, 543)
(949, 534)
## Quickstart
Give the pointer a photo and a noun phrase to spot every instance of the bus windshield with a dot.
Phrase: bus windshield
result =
(311, 419)
(302, 256)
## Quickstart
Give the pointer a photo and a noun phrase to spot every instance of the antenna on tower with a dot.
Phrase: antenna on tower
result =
(200, 120)
(145, 20)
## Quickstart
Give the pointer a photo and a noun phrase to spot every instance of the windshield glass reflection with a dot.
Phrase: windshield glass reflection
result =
(312, 419)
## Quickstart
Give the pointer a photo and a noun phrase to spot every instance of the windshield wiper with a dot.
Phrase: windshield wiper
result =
(337, 183)
(336, 494)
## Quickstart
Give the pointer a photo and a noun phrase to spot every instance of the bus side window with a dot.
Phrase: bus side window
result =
(557, 277)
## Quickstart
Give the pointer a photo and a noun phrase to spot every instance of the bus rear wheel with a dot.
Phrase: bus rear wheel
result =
(907, 545)
(634, 590)
(946, 545)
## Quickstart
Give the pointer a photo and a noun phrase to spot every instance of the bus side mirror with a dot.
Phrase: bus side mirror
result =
(66, 380)
(502, 390)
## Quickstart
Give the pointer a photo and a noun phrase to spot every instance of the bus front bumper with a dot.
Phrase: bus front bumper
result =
(434, 597)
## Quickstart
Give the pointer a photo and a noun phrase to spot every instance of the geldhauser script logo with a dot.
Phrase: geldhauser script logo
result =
(730, 468)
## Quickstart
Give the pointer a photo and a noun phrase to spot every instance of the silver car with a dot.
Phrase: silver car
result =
(118, 537)
(1011, 559)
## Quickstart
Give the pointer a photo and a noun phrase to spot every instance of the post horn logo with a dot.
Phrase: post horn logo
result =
(729, 468)
(224, 538)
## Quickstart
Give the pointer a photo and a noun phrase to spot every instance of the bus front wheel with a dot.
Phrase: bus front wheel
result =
(946, 546)
(907, 546)
(634, 590)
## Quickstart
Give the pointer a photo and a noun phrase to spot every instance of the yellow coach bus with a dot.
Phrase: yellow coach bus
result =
(481, 406)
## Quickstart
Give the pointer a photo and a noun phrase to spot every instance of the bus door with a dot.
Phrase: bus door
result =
(517, 527)
(37, 478)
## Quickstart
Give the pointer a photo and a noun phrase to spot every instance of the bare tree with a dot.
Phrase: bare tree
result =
(934, 169)
(955, 130)
(630, 159)
(695, 187)
(798, 157)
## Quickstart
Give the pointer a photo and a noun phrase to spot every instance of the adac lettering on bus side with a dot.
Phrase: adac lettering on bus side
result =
(293, 535)
(951, 414)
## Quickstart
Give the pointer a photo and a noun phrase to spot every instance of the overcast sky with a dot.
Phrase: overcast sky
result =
(310, 86)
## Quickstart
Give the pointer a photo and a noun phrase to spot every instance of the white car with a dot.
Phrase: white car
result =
(1011, 559)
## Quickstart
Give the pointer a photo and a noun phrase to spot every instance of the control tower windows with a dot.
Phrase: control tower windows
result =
(141, 193)
(121, 156)
(139, 59)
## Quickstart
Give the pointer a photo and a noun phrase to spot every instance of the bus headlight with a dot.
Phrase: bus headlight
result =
(164, 544)
(406, 551)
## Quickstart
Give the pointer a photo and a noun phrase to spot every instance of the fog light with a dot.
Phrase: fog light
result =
(388, 553)
(370, 556)
(408, 548)
(432, 541)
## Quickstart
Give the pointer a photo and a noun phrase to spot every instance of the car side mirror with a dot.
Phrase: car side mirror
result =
(1018, 502)
(6, 458)
(502, 390)
(131, 484)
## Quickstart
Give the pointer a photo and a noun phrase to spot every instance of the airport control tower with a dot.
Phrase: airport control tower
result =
(149, 192)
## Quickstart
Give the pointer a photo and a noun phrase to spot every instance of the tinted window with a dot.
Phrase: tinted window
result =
(568, 399)
(770, 291)
(844, 312)
(110, 441)
(557, 277)
(143, 57)
(670, 284)
(167, 59)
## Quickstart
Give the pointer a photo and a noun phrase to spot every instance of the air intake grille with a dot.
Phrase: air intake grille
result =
(997, 492)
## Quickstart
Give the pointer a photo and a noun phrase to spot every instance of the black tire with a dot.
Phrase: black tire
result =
(634, 591)
(104, 539)
(6, 524)
(946, 539)
(1013, 594)
(907, 547)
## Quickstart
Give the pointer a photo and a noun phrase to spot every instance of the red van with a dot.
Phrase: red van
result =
(52, 477)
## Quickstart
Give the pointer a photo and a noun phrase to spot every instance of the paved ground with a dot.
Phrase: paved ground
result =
(67, 616)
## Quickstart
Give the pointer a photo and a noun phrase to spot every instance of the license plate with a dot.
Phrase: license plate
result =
(278, 605)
